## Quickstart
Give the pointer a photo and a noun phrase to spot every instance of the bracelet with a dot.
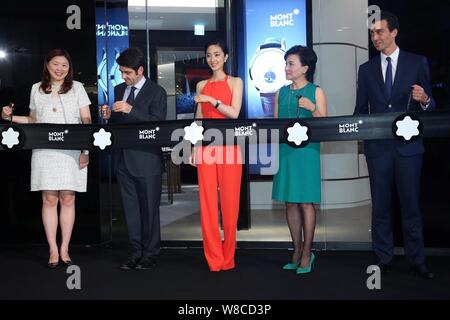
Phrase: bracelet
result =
(315, 108)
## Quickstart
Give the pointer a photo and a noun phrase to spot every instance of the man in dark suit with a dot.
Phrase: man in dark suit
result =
(139, 171)
(394, 81)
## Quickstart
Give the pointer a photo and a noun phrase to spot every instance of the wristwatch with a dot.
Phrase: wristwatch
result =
(217, 104)
(85, 152)
(427, 104)
(267, 72)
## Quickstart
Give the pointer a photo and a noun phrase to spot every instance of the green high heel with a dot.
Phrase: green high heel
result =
(291, 266)
(301, 270)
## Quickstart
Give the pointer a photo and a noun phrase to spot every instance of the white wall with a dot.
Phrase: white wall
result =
(340, 39)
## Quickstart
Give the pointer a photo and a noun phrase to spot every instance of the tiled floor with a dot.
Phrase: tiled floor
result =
(181, 222)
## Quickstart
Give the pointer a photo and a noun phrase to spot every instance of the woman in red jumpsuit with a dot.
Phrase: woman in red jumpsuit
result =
(219, 167)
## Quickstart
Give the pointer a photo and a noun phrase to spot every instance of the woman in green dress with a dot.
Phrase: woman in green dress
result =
(297, 182)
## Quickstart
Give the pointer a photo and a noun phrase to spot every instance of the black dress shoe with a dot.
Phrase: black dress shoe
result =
(130, 264)
(146, 263)
(421, 271)
(53, 265)
(384, 268)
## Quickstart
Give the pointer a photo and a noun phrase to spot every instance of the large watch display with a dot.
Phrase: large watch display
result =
(267, 72)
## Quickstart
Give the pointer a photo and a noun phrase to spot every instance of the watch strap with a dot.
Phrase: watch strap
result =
(268, 103)
(273, 42)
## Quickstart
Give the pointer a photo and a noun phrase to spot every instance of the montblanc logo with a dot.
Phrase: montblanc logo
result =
(297, 134)
(10, 138)
(349, 127)
(102, 138)
(408, 127)
(148, 134)
(244, 131)
(193, 133)
(57, 136)
(283, 19)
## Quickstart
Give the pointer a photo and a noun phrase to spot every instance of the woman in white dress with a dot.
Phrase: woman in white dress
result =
(57, 173)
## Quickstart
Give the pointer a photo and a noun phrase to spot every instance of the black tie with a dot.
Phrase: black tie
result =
(130, 99)
(388, 81)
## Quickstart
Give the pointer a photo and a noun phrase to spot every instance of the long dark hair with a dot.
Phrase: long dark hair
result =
(46, 85)
(221, 44)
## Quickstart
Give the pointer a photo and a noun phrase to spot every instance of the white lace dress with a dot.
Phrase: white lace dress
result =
(58, 169)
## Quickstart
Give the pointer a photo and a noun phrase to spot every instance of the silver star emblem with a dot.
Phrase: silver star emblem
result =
(102, 139)
(193, 133)
(407, 128)
(297, 134)
(10, 138)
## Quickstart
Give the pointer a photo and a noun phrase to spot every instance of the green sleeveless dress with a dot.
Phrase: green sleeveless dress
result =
(298, 176)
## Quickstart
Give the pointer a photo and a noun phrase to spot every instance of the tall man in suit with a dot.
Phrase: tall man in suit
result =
(139, 171)
(394, 81)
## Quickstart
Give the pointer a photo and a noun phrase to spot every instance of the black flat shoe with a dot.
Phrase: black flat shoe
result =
(52, 265)
(67, 262)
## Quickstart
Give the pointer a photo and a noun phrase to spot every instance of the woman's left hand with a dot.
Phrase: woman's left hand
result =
(305, 103)
(200, 98)
(84, 160)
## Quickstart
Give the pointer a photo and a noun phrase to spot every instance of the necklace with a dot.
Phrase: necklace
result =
(55, 96)
(299, 95)
(55, 106)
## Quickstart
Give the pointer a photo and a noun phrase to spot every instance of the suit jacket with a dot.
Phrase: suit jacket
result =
(149, 105)
(371, 98)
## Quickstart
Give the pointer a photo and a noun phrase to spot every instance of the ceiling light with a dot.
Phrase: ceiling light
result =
(174, 3)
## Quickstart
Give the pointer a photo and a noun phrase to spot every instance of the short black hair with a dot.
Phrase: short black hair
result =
(217, 42)
(391, 19)
(132, 58)
(307, 57)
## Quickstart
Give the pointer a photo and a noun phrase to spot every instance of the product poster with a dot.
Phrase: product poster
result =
(271, 28)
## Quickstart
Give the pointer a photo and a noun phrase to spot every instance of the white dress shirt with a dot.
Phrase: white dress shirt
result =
(394, 61)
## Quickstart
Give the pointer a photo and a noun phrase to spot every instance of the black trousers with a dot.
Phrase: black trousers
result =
(404, 172)
(141, 199)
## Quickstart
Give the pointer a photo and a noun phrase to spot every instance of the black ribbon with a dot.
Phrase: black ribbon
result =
(159, 134)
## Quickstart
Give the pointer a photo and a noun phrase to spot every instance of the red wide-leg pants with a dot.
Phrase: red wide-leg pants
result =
(220, 171)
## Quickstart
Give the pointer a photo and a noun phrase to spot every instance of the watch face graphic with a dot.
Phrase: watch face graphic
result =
(267, 70)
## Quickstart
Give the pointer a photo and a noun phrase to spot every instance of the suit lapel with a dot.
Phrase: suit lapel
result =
(142, 92)
(121, 92)
(379, 76)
